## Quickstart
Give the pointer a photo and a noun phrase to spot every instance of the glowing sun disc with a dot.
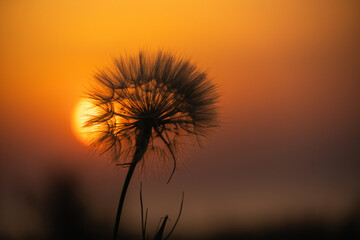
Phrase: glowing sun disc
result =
(82, 112)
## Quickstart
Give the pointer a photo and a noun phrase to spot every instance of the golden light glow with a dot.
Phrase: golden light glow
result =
(83, 110)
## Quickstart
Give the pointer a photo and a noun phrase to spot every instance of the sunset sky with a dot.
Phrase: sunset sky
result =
(288, 73)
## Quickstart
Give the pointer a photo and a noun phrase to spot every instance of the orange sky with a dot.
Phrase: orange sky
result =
(288, 74)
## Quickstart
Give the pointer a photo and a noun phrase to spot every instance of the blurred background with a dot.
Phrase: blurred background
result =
(283, 165)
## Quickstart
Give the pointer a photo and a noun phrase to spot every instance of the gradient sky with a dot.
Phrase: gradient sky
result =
(288, 74)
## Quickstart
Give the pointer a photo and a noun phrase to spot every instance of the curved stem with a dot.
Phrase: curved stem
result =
(122, 198)
(142, 142)
(177, 220)
(169, 147)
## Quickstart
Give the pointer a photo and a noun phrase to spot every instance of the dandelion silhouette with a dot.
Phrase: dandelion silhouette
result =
(149, 103)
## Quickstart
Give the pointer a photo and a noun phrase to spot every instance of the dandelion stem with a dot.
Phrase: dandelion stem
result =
(142, 142)
(122, 198)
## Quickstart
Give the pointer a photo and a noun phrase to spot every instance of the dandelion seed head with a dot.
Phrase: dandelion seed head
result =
(160, 95)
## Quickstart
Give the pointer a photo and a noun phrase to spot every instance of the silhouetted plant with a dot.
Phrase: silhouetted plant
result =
(159, 235)
(146, 104)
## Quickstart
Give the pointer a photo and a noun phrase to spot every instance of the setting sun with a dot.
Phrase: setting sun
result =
(254, 103)
(83, 110)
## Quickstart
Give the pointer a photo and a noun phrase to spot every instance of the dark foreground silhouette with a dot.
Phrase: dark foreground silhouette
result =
(65, 217)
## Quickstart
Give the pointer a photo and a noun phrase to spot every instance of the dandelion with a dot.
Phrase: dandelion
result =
(148, 103)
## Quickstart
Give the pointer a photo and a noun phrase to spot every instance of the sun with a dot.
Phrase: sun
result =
(83, 110)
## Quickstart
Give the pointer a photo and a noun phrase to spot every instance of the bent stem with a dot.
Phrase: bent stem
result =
(122, 198)
(142, 142)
